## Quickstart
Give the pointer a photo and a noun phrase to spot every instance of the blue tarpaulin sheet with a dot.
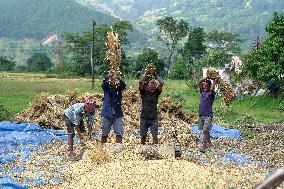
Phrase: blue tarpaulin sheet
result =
(220, 132)
(17, 140)
(228, 157)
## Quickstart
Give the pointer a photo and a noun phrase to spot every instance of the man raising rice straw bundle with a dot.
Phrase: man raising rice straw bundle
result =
(111, 111)
(73, 117)
(113, 86)
(207, 97)
(149, 94)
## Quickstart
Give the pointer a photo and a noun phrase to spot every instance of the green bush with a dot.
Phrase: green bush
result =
(6, 64)
(281, 106)
(39, 62)
(179, 69)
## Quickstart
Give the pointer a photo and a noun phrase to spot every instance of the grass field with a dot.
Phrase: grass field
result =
(19, 89)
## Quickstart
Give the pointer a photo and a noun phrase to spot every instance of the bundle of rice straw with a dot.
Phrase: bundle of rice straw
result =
(150, 72)
(227, 91)
(113, 55)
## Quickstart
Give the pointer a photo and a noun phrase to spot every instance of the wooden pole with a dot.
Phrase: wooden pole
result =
(272, 181)
(92, 56)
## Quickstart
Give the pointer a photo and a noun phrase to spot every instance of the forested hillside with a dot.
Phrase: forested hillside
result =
(246, 17)
(39, 18)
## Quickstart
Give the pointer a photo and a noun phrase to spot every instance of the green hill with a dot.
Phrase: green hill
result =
(39, 18)
(246, 17)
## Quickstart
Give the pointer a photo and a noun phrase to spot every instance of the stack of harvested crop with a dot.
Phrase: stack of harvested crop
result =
(113, 55)
(131, 108)
(167, 105)
(47, 110)
(228, 93)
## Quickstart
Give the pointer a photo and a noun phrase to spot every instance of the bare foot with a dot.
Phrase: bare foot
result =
(72, 157)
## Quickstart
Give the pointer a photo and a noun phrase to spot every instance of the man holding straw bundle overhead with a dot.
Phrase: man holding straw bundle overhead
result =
(150, 93)
(207, 97)
(113, 87)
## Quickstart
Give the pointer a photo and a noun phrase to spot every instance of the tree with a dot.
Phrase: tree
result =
(226, 40)
(39, 62)
(195, 45)
(146, 57)
(214, 57)
(123, 28)
(6, 64)
(180, 69)
(79, 46)
(192, 50)
(267, 63)
(172, 32)
(221, 47)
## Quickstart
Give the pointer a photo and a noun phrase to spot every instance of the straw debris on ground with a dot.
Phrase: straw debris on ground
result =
(100, 167)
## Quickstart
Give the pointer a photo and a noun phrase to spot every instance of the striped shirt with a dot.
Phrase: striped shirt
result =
(76, 112)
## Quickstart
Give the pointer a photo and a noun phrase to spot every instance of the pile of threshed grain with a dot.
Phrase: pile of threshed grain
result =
(47, 111)
(99, 168)
(266, 147)
(164, 173)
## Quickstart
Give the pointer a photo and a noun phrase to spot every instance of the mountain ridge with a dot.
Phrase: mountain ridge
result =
(246, 17)
(38, 19)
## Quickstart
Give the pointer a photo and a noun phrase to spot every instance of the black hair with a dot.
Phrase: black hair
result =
(208, 81)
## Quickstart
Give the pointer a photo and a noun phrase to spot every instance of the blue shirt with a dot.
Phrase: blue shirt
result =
(112, 99)
(206, 103)
(76, 112)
